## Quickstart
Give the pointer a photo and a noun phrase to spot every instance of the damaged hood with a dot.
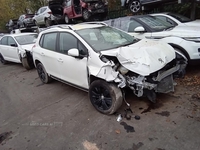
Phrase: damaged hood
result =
(143, 57)
(27, 47)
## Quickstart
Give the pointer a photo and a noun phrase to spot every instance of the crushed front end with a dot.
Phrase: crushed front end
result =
(160, 81)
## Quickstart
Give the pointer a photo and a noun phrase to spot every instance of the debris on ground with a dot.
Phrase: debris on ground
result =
(118, 131)
(119, 117)
(4, 136)
(90, 146)
(128, 128)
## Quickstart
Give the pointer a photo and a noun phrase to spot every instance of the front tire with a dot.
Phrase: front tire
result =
(44, 77)
(105, 97)
(134, 6)
(2, 60)
(27, 63)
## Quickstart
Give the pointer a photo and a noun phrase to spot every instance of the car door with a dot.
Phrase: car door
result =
(9, 49)
(68, 8)
(4, 47)
(72, 70)
(48, 54)
(12, 50)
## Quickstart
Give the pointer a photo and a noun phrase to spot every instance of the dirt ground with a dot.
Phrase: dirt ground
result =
(59, 117)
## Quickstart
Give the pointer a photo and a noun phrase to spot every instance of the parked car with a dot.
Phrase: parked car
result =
(68, 10)
(184, 39)
(136, 5)
(25, 21)
(43, 17)
(11, 25)
(176, 19)
(17, 48)
(104, 61)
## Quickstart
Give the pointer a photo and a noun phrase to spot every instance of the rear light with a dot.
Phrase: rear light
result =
(50, 12)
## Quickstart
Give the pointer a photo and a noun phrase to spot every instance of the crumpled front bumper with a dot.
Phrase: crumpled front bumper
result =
(166, 79)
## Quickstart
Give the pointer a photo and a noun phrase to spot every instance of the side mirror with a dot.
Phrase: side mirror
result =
(74, 53)
(13, 45)
(139, 29)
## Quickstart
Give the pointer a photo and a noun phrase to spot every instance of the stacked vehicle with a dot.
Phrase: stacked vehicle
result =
(70, 10)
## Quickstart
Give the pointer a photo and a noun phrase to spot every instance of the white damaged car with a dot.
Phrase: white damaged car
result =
(105, 61)
(17, 48)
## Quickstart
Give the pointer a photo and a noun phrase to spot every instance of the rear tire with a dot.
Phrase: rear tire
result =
(67, 20)
(105, 97)
(36, 23)
(86, 15)
(44, 77)
(47, 22)
(134, 6)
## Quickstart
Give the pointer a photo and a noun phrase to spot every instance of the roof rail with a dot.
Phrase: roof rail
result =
(100, 23)
(61, 26)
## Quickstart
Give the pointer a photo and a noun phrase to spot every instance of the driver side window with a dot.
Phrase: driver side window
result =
(11, 41)
(68, 41)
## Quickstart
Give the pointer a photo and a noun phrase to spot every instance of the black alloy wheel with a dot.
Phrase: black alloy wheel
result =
(44, 77)
(105, 97)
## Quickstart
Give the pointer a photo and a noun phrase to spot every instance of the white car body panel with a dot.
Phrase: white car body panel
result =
(190, 24)
(76, 73)
(50, 61)
(27, 47)
(176, 36)
(10, 53)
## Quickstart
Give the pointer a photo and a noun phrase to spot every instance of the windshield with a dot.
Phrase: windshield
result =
(155, 24)
(26, 39)
(105, 38)
(179, 17)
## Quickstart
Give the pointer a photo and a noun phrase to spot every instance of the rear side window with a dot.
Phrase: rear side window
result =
(4, 41)
(48, 41)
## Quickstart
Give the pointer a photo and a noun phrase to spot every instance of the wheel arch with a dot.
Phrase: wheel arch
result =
(92, 78)
(181, 50)
(36, 62)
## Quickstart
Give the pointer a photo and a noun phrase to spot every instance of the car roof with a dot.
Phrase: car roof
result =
(74, 27)
(129, 17)
(86, 26)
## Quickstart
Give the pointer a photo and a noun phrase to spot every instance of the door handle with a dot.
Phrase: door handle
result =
(60, 60)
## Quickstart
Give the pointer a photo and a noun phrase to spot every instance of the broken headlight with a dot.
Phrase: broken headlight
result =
(123, 70)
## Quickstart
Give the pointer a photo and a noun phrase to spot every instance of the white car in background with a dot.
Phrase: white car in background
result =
(105, 61)
(43, 17)
(18, 48)
(184, 39)
(177, 19)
